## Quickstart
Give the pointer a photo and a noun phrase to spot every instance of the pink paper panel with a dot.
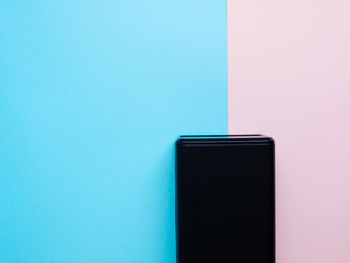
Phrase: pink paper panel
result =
(289, 77)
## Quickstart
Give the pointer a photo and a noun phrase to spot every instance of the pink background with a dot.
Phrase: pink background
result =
(289, 77)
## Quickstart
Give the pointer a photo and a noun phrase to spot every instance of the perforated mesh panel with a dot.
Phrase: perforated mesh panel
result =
(225, 201)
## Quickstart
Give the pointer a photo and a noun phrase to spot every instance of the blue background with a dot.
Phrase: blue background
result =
(92, 97)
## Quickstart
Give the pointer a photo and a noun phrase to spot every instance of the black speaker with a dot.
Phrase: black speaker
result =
(225, 199)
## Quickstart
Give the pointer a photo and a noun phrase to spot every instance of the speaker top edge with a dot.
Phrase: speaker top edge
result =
(239, 138)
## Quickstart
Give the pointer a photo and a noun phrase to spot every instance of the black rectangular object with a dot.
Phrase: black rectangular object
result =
(225, 199)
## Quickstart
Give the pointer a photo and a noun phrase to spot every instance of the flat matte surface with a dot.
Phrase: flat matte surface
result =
(225, 200)
(92, 96)
(289, 77)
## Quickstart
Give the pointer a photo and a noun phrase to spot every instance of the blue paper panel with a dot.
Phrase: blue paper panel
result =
(92, 97)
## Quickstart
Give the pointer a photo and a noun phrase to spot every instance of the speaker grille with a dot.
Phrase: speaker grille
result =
(225, 200)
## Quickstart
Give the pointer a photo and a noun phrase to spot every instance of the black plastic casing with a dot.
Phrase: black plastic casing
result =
(225, 199)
